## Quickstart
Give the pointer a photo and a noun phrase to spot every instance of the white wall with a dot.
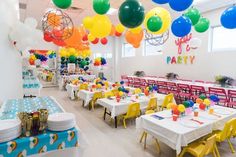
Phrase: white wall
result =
(206, 65)
(10, 61)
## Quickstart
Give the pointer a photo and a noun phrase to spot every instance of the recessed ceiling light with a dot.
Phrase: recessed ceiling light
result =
(112, 11)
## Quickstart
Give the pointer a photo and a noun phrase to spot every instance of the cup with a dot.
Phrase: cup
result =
(195, 113)
(175, 117)
(118, 99)
(211, 111)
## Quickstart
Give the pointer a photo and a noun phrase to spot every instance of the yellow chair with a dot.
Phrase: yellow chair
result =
(83, 86)
(168, 99)
(144, 135)
(202, 148)
(137, 91)
(96, 96)
(108, 94)
(152, 105)
(228, 132)
(132, 112)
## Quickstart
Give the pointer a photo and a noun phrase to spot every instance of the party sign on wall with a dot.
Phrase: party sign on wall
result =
(184, 55)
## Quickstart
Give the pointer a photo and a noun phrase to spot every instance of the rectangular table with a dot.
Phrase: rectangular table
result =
(119, 108)
(48, 142)
(180, 133)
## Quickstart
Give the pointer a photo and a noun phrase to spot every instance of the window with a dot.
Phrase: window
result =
(150, 50)
(222, 39)
(128, 50)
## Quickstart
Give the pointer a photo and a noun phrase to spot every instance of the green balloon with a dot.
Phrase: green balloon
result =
(83, 63)
(63, 4)
(63, 59)
(101, 6)
(194, 15)
(131, 13)
(154, 23)
(202, 96)
(72, 59)
(202, 25)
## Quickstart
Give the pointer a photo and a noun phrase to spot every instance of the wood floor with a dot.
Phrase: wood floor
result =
(101, 139)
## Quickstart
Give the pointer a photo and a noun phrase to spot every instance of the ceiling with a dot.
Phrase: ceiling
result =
(83, 8)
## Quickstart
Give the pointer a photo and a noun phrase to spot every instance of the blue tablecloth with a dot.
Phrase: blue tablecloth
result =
(49, 141)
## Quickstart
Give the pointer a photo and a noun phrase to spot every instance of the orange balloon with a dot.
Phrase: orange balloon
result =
(199, 101)
(113, 31)
(53, 20)
(134, 39)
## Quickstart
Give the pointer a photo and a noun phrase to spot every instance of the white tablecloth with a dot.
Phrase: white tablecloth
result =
(184, 130)
(122, 107)
(72, 90)
(205, 85)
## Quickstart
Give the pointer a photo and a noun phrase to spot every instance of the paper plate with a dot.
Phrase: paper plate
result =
(8, 125)
(189, 123)
(222, 111)
(61, 117)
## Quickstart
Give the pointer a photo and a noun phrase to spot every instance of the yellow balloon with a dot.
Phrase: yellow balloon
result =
(120, 28)
(91, 37)
(88, 22)
(165, 17)
(181, 108)
(72, 51)
(33, 57)
(101, 26)
(207, 102)
(136, 30)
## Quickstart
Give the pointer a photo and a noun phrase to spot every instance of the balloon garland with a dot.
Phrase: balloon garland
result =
(100, 61)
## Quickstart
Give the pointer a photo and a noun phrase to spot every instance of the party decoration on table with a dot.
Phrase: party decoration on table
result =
(100, 61)
(228, 17)
(63, 4)
(101, 6)
(134, 39)
(202, 25)
(154, 23)
(202, 106)
(207, 102)
(180, 5)
(195, 43)
(131, 13)
(193, 14)
(181, 108)
(33, 123)
(214, 98)
(225, 81)
(172, 76)
(165, 17)
(56, 26)
(161, 1)
(156, 40)
(202, 96)
(181, 26)
(199, 100)
(139, 73)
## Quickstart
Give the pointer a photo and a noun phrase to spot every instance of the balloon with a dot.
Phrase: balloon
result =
(181, 26)
(180, 5)
(136, 30)
(31, 61)
(83, 63)
(161, 1)
(95, 41)
(202, 96)
(47, 37)
(31, 22)
(131, 14)
(63, 4)
(186, 104)
(53, 20)
(228, 17)
(191, 103)
(193, 14)
(91, 37)
(214, 98)
(59, 42)
(118, 34)
(134, 39)
(101, 6)
(104, 41)
(85, 38)
(207, 102)
(154, 23)
(202, 106)
(199, 101)
(195, 43)
(88, 22)
(101, 26)
(165, 17)
(72, 59)
(181, 108)
(202, 25)
(120, 28)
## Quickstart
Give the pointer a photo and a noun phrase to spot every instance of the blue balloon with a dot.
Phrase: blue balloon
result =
(180, 5)
(122, 82)
(228, 18)
(181, 26)
(214, 98)
(161, 1)
(191, 103)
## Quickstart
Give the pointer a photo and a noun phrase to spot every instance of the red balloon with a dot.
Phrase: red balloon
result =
(31, 61)
(85, 38)
(176, 112)
(202, 106)
(118, 34)
(104, 41)
(47, 37)
(59, 42)
(95, 41)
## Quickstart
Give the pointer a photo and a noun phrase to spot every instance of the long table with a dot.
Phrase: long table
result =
(180, 133)
(119, 108)
(47, 143)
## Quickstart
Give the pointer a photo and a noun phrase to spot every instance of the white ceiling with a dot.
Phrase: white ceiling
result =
(37, 8)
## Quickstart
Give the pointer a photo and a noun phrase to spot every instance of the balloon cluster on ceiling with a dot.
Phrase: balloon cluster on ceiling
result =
(228, 18)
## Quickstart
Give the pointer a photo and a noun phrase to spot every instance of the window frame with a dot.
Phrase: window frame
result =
(144, 53)
(123, 51)
(210, 43)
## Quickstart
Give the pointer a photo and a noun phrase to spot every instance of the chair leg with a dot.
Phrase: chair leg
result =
(182, 152)
(158, 146)
(145, 140)
(230, 145)
(124, 123)
(141, 139)
(217, 151)
(214, 153)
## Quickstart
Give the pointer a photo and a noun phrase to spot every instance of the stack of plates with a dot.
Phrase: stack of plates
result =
(61, 121)
(9, 129)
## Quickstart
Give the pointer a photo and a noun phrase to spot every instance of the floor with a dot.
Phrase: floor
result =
(101, 139)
